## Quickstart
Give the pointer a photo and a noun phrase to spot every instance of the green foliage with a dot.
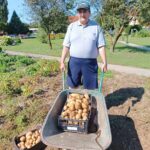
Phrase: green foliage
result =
(117, 14)
(1, 49)
(3, 15)
(142, 33)
(129, 29)
(6, 40)
(25, 61)
(42, 36)
(15, 25)
(50, 15)
(10, 85)
(21, 120)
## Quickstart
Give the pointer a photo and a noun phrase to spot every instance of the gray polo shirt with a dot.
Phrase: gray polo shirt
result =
(84, 41)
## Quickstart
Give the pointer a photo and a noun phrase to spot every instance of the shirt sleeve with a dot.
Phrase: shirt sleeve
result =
(66, 41)
(101, 39)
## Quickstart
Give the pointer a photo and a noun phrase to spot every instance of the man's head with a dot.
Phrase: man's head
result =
(83, 10)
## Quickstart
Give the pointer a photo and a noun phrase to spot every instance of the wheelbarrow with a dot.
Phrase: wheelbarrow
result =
(98, 139)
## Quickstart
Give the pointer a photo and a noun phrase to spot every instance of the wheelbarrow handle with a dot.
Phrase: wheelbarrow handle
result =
(63, 80)
(100, 84)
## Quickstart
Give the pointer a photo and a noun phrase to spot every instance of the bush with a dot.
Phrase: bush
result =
(6, 40)
(60, 36)
(142, 33)
(42, 36)
(0, 49)
(17, 40)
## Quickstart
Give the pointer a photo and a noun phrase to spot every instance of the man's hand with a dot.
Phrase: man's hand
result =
(62, 67)
(104, 67)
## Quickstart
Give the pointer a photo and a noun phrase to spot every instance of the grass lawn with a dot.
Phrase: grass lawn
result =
(123, 55)
(139, 41)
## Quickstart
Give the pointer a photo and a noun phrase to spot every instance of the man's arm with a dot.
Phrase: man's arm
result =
(65, 52)
(102, 53)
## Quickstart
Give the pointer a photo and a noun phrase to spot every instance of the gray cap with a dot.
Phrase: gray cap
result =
(83, 5)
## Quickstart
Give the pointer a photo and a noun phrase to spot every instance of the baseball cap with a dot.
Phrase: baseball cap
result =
(83, 5)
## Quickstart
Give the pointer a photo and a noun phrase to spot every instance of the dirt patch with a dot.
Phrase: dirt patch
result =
(127, 98)
(128, 101)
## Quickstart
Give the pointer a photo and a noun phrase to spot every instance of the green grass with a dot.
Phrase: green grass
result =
(139, 41)
(35, 46)
(122, 56)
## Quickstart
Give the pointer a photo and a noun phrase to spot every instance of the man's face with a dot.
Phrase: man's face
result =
(84, 15)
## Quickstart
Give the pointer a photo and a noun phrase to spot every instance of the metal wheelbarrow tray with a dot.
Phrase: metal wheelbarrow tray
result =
(53, 136)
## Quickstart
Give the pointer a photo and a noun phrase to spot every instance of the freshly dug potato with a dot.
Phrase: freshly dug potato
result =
(84, 106)
(84, 115)
(78, 116)
(80, 111)
(85, 110)
(29, 140)
(86, 96)
(22, 139)
(78, 105)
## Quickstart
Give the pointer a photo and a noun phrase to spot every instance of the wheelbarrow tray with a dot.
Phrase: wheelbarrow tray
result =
(53, 136)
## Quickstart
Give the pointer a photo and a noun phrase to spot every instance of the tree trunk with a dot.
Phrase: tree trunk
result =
(112, 47)
(49, 41)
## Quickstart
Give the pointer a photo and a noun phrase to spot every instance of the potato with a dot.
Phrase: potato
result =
(78, 116)
(30, 141)
(72, 114)
(84, 115)
(85, 110)
(29, 133)
(18, 145)
(22, 138)
(84, 106)
(77, 105)
(75, 95)
(66, 117)
(86, 96)
(63, 114)
(38, 139)
(80, 111)
(72, 107)
(81, 96)
(85, 118)
(86, 101)
(28, 137)
(65, 107)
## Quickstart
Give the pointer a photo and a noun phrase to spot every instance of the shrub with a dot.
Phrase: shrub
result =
(143, 33)
(42, 36)
(6, 40)
(17, 40)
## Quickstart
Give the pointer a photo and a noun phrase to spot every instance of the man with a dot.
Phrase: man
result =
(84, 41)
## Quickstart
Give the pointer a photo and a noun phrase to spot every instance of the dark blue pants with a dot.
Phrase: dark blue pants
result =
(82, 71)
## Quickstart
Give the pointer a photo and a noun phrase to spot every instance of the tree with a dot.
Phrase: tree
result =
(50, 14)
(15, 25)
(3, 14)
(117, 14)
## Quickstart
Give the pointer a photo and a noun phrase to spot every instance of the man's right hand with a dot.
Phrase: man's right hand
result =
(62, 67)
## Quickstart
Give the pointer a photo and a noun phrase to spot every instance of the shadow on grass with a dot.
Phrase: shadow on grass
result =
(124, 134)
(131, 49)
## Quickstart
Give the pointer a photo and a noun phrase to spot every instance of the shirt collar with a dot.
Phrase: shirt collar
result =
(79, 24)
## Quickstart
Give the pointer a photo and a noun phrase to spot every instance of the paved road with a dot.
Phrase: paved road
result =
(117, 68)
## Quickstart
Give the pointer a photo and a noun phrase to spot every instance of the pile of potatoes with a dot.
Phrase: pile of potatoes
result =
(29, 140)
(77, 107)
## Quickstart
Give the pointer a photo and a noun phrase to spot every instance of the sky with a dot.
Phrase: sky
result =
(20, 9)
